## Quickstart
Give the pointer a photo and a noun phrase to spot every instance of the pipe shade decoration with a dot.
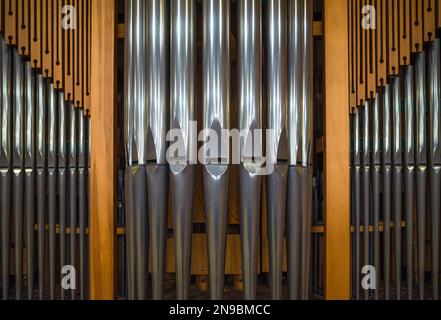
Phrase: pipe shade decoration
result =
(394, 82)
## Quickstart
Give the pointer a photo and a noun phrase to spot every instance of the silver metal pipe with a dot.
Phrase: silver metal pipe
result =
(300, 135)
(435, 160)
(63, 114)
(5, 161)
(82, 200)
(409, 173)
(357, 200)
(366, 172)
(376, 169)
(386, 168)
(277, 147)
(29, 161)
(73, 182)
(250, 119)
(421, 162)
(183, 113)
(51, 181)
(158, 124)
(17, 167)
(129, 137)
(41, 177)
(396, 178)
(216, 117)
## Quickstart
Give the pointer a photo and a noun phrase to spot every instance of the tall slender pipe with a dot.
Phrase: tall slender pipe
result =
(17, 167)
(41, 178)
(396, 178)
(29, 159)
(300, 135)
(386, 168)
(277, 151)
(435, 160)
(376, 169)
(129, 138)
(409, 172)
(136, 132)
(158, 124)
(62, 178)
(52, 181)
(366, 170)
(250, 119)
(357, 200)
(421, 163)
(5, 161)
(216, 117)
(82, 200)
(183, 113)
(73, 182)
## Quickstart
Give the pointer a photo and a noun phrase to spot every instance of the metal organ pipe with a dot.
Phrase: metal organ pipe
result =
(216, 117)
(183, 112)
(300, 135)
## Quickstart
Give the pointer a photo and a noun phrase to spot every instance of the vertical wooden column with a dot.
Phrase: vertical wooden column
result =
(337, 199)
(103, 160)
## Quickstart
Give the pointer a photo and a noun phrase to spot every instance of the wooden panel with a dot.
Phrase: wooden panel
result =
(47, 37)
(371, 47)
(393, 37)
(103, 159)
(36, 34)
(10, 22)
(429, 20)
(382, 55)
(68, 60)
(86, 53)
(417, 29)
(58, 45)
(361, 54)
(336, 160)
(23, 27)
(78, 54)
(405, 25)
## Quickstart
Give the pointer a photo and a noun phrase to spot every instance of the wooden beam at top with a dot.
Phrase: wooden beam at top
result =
(103, 160)
(337, 223)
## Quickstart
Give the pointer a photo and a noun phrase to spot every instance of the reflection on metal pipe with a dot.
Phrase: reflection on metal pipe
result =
(277, 151)
(182, 93)
(409, 169)
(365, 169)
(376, 168)
(29, 160)
(17, 167)
(52, 181)
(421, 162)
(73, 182)
(396, 178)
(386, 168)
(216, 117)
(63, 114)
(41, 181)
(435, 160)
(300, 134)
(250, 119)
(157, 111)
(82, 199)
(357, 200)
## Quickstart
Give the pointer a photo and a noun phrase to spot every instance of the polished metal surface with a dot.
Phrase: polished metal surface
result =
(365, 173)
(421, 162)
(435, 160)
(357, 201)
(216, 117)
(18, 166)
(82, 200)
(250, 119)
(73, 186)
(183, 111)
(409, 173)
(29, 203)
(376, 171)
(397, 181)
(40, 144)
(300, 82)
(276, 84)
